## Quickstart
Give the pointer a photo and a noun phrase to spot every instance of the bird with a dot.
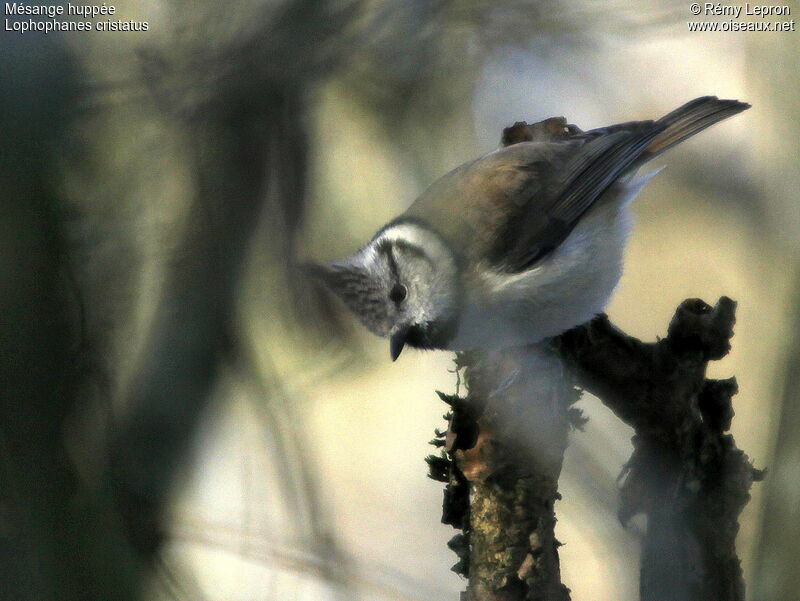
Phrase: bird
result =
(517, 246)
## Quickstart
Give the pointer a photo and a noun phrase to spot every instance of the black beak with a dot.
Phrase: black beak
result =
(397, 342)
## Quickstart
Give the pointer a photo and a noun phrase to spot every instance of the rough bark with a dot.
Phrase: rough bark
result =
(686, 474)
(504, 449)
(505, 441)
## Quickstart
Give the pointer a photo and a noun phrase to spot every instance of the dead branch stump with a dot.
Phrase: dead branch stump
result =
(503, 449)
(686, 473)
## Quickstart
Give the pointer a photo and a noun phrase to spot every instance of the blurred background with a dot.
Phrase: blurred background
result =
(185, 417)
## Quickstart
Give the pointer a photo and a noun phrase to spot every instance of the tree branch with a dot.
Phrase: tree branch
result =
(504, 446)
(686, 474)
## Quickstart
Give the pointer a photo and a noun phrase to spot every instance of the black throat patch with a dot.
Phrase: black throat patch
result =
(431, 334)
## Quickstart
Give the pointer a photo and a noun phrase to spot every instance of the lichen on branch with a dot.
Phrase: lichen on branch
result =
(501, 459)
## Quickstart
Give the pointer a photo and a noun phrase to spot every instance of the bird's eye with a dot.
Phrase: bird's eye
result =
(398, 293)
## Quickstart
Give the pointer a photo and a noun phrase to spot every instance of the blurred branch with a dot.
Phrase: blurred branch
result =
(299, 481)
(374, 576)
(193, 322)
(686, 473)
(242, 104)
(777, 176)
(57, 542)
(780, 537)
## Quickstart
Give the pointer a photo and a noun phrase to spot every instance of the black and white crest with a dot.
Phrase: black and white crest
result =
(363, 294)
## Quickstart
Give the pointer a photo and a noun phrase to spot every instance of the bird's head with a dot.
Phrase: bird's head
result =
(403, 285)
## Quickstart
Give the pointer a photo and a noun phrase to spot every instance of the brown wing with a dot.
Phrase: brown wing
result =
(513, 206)
(580, 170)
(567, 187)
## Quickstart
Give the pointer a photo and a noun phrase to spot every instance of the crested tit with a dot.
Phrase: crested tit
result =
(518, 245)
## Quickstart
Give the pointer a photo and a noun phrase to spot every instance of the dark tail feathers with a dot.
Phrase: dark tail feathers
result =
(691, 118)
